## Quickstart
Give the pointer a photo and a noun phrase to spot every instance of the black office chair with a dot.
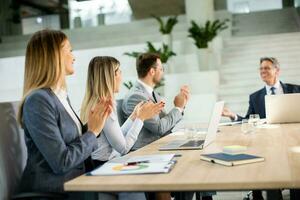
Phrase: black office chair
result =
(13, 155)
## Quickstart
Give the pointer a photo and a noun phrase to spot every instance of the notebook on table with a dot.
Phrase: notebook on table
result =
(231, 159)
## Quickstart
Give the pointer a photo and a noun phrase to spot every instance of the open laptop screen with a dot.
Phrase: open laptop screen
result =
(283, 108)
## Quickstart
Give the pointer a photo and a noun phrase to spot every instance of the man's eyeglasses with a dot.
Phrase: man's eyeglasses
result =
(265, 68)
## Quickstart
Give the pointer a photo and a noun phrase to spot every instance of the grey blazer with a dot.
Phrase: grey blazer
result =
(56, 152)
(154, 128)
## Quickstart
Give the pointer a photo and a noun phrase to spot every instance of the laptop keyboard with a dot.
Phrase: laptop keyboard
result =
(193, 143)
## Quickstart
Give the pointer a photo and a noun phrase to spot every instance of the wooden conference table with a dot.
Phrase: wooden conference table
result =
(281, 169)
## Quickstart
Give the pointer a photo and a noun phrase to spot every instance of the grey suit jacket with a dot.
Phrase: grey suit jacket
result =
(56, 152)
(154, 128)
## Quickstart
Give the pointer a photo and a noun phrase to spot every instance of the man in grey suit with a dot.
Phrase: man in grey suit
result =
(150, 72)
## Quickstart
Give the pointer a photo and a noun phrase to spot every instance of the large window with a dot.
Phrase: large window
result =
(98, 12)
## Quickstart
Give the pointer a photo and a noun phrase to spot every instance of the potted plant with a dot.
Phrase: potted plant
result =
(202, 35)
(164, 52)
(166, 29)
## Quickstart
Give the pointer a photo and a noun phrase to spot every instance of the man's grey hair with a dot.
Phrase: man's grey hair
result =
(273, 60)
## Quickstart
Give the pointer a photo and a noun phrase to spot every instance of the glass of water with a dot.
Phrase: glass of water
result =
(190, 132)
(254, 120)
(247, 127)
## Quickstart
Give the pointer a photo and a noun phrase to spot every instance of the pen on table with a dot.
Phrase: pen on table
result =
(135, 163)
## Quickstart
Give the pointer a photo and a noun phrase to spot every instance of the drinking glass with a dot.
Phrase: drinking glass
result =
(254, 120)
(247, 127)
(190, 132)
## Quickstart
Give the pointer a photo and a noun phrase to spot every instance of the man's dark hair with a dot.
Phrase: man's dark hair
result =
(145, 62)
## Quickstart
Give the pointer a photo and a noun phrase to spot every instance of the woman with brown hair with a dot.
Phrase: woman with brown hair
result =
(57, 143)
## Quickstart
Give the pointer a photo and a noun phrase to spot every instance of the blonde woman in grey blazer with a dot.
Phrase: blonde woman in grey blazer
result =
(57, 144)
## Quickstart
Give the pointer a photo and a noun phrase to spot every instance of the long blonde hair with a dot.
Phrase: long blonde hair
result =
(100, 83)
(43, 63)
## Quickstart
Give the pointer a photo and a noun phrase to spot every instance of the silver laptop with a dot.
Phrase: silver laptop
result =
(199, 144)
(283, 108)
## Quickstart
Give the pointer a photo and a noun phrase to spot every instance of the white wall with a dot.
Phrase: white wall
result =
(199, 11)
(12, 72)
(204, 88)
(11, 78)
(198, 82)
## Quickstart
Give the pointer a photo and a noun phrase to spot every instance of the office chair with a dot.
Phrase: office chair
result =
(13, 155)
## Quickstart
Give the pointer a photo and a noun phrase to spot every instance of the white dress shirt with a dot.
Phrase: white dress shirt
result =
(277, 86)
(63, 98)
(148, 88)
(115, 140)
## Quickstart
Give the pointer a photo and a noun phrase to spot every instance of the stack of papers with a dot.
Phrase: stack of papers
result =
(149, 164)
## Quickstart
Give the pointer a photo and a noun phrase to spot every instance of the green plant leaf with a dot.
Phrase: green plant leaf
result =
(204, 34)
(128, 85)
(166, 28)
(170, 24)
(133, 54)
(165, 53)
(160, 21)
(151, 48)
